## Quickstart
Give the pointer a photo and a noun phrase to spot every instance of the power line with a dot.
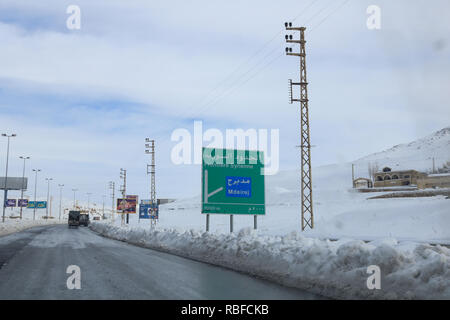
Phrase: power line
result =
(240, 66)
(331, 13)
(238, 83)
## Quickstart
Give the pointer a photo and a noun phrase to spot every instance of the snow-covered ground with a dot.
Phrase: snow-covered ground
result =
(16, 225)
(335, 269)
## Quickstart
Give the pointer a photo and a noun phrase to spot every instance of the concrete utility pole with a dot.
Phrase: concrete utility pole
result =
(23, 179)
(48, 195)
(61, 186)
(434, 166)
(35, 191)
(5, 197)
(150, 149)
(123, 189)
(112, 186)
(306, 191)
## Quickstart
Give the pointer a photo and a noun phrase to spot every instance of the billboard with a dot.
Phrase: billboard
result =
(127, 205)
(233, 182)
(146, 212)
(22, 203)
(13, 183)
(11, 203)
(37, 204)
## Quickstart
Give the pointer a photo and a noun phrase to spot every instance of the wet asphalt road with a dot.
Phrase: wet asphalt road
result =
(33, 265)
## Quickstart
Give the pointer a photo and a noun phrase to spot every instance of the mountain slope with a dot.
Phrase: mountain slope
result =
(416, 155)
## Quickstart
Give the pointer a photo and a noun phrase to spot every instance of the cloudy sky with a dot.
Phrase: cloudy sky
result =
(82, 101)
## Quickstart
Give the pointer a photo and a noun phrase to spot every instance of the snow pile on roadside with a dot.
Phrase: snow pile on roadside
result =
(332, 269)
(12, 226)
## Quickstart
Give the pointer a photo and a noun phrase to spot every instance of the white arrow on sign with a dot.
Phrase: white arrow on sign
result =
(206, 193)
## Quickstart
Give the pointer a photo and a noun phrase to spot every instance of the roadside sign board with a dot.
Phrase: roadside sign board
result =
(37, 204)
(146, 212)
(233, 182)
(127, 205)
(22, 203)
(13, 183)
(11, 203)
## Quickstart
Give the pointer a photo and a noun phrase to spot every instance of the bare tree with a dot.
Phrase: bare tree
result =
(372, 168)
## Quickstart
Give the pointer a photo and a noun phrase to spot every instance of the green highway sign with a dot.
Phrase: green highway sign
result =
(233, 182)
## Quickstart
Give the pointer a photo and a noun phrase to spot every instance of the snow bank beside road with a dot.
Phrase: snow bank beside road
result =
(333, 269)
(12, 226)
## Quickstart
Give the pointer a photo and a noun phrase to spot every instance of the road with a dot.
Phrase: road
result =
(33, 265)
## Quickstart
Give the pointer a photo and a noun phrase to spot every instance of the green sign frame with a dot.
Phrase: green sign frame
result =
(233, 182)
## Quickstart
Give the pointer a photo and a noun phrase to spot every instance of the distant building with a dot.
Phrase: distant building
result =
(360, 183)
(165, 201)
(389, 178)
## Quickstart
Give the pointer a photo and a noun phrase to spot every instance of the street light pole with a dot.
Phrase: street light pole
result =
(35, 189)
(89, 198)
(48, 195)
(23, 179)
(74, 190)
(103, 207)
(6, 175)
(60, 198)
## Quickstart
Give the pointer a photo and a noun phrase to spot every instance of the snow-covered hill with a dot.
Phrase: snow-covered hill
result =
(416, 155)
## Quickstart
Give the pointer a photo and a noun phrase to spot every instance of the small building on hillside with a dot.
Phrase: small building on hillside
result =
(389, 178)
(361, 183)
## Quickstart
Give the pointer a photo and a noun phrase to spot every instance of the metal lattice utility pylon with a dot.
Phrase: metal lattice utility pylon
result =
(306, 189)
(112, 187)
(150, 149)
(123, 189)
